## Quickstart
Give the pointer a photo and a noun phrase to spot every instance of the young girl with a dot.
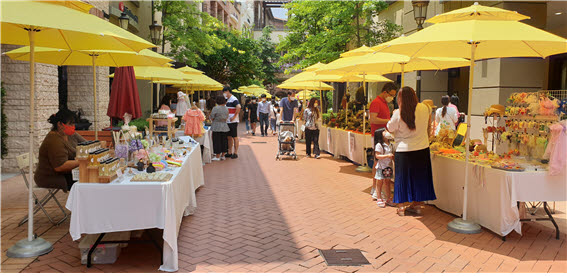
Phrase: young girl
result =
(384, 168)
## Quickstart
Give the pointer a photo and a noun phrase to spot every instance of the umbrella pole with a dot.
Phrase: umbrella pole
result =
(403, 79)
(30, 247)
(346, 108)
(364, 168)
(94, 93)
(461, 225)
(151, 96)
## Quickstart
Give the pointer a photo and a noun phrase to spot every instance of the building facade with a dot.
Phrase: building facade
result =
(228, 12)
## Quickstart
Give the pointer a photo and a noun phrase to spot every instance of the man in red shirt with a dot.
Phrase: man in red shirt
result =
(379, 111)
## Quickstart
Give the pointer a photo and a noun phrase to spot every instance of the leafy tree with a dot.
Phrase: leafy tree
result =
(319, 31)
(237, 62)
(189, 31)
(268, 55)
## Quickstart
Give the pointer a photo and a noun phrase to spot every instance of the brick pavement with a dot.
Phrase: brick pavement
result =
(256, 214)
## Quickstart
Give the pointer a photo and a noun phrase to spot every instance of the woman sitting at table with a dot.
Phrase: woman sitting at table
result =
(57, 152)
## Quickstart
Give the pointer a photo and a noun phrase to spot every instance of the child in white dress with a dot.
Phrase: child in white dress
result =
(384, 156)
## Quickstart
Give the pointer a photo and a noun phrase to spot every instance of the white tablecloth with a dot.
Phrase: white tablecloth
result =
(345, 143)
(206, 140)
(493, 193)
(126, 206)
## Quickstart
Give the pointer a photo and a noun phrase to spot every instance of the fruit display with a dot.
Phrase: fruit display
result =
(355, 121)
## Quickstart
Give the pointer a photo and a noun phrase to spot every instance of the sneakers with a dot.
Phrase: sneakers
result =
(234, 156)
(222, 158)
(216, 159)
(372, 191)
(317, 156)
(228, 155)
(309, 155)
(374, 196)
(253, 134)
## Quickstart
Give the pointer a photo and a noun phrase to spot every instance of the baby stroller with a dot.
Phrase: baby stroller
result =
(286, 140)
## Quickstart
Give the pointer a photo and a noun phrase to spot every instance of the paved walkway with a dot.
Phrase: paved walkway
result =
(256, 214)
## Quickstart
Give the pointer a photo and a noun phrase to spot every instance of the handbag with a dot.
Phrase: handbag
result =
(387, 172)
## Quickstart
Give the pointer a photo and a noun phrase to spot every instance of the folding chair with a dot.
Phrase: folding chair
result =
(23, 164)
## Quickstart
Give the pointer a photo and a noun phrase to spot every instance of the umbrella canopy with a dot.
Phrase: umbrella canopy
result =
(478, 12)
(110, 58)
(155, 73)
(314, 67)
(492, 39)
(312, 85)
(384, 63)
(61, 27)
(190, 71)
(339, 77)
(124, 96)
(478, 39)
(361, 51)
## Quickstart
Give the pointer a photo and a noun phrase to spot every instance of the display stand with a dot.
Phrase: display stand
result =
(170, 126)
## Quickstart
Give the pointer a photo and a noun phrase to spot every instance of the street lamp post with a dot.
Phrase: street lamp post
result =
(123, 21)
(155, 34)
(419, 14)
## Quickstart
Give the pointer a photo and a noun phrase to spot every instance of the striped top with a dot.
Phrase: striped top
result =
(231, 104)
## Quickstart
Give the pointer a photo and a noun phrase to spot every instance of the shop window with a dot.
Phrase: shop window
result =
(558, 72)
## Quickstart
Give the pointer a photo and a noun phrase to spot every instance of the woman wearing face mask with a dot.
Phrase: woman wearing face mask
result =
(57, 152)
(311, 116)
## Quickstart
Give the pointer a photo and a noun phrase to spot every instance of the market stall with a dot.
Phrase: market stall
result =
(493, 193)
(131, 203)
(523, 163)
(205, 140)
(345, 143)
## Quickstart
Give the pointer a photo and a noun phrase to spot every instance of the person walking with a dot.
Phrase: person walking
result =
(234, 107)
(289, 107)
(446, 116)
(311, 116)
(253, 115)
(264, 108)
(245, 115)
(219, 127)
(273, 117)
(413, 177)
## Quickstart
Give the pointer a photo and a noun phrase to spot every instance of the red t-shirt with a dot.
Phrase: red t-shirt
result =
(379, 106)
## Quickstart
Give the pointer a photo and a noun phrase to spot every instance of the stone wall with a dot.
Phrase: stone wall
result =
(15, 78)
(81, 96)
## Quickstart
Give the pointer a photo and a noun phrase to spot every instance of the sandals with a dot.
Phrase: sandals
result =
(401, 211)
(390, 203)
(415, 209)
(380, 203)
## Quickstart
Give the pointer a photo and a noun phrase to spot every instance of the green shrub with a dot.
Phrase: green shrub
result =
(140, 123)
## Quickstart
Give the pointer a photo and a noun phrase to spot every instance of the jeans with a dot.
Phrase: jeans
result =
(273, 124)
(247, 124)
(264, 123)
(312, 136)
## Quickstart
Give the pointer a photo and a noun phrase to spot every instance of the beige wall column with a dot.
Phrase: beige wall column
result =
(16, 81)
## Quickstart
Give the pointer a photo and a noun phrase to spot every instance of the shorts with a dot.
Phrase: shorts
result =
(253, 119)
(233, 132)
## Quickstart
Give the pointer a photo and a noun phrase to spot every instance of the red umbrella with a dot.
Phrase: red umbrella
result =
(124, 97)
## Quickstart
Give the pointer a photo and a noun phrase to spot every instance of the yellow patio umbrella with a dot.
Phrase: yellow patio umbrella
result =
(314, 67)
(311, 85)
(474, 40)
(43, 24)
(361, 51)
(478, 12)
(92, 58)
(191, 71)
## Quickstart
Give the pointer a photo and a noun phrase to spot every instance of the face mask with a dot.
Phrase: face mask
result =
(389, 99)
(388, 136)
(225, 95)
(68, 130)
(264, 100)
